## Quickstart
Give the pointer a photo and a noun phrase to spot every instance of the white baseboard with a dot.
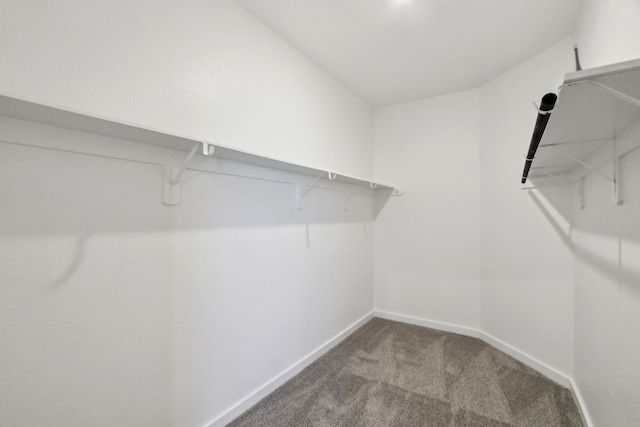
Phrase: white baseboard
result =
(532, 362)
(519, 355)
(296, 368)
(441, 326)
(582, 405)
(285, 376)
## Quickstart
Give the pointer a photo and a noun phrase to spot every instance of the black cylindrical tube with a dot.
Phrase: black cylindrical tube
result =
(546, 105)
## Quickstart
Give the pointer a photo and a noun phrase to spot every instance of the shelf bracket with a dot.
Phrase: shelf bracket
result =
(581, 193)
(575, 159)
(207, 149)
(565, 184)
(299, 204)
(301, 194)
(617, 176)
(616, 180)
(173, 174)
(623, 96)
(552, 176)
(175, 178)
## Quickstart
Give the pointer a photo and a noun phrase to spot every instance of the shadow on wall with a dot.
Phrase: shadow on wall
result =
(71, 198)
(56, 192)
(564, 231)
(602, 235)
(99, 277)
(223, 200)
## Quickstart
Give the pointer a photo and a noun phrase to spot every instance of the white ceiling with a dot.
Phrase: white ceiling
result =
(394, 51)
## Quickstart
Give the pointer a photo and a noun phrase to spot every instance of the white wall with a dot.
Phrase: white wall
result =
(85, 286)
(527, 267)
(427, 241)
(558, 284)
(203, 68)
(607, 32)
(465, 245)
(607, 246)
(260, 285)
(532, 255)
(117, 310)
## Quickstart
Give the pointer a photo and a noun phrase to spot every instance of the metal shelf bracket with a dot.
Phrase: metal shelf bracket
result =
(623, 96)
(616, 180)
(173, 173)
(575, 159)
(581, 193)
(301, 194)
(617, 176)
(600, 105)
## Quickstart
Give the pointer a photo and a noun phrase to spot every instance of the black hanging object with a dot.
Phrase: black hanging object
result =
(546, 107)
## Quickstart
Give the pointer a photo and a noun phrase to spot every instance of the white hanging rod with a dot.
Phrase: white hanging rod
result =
(605, 141)
(603, 147)
(591, 170)
(84, 153)
(585, 141)
(575, 159)
(208, 150)
(555, 178)
(623, 96)
(535, 187)
(277, 181)
(156, 163)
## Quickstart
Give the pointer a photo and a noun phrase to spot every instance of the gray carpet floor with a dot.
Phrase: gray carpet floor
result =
(393, 374)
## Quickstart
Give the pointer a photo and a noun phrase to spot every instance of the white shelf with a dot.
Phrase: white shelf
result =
(51, 115)
(595, 109)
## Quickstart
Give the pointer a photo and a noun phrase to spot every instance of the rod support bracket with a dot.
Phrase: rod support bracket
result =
(172, 191)
(617, 176)
(173, 174)
(208, 149)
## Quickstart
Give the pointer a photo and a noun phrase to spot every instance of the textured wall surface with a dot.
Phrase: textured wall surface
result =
(527, 267)
(607, 245)
(427, 241)
(202, 68)
(118, 310)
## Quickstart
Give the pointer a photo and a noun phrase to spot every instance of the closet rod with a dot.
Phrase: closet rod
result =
(194, 169)
(544, 112)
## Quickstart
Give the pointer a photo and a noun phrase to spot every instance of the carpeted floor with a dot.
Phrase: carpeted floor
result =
(393, 374)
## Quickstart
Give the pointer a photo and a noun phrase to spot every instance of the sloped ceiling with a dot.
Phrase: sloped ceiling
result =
(394, 51)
